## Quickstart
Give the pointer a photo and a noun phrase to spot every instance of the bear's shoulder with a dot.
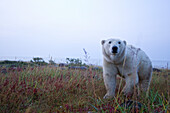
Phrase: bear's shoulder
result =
(133, 48)
(133, 51)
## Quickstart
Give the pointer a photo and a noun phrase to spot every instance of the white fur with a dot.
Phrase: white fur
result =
(129, 62)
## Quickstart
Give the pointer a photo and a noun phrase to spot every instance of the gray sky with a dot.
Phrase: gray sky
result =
(62, 28)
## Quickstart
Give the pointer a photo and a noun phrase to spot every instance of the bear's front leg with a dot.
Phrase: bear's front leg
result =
(109, 76)
(110, 84)
(131, 82)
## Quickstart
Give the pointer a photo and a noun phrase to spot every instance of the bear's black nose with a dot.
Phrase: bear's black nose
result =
(114, 49)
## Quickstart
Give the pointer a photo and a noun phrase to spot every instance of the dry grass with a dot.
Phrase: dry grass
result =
(48, 89)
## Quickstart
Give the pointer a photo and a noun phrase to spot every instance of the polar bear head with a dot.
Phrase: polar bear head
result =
(113, 49)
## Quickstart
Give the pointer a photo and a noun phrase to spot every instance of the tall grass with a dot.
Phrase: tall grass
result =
(49, 89)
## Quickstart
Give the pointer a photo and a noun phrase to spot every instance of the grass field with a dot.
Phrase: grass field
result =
(51, 89)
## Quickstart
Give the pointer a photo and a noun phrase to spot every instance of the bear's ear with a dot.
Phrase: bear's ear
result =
(102, 42)
(124, 42)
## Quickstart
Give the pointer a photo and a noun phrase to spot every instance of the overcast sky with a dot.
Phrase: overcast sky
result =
(62, 28)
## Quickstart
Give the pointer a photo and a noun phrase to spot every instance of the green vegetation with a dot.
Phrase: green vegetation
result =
(13, 63)
(52, 62)
(51, 89)
(74, 62)
(37, 61)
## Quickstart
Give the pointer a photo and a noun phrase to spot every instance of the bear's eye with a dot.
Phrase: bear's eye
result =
(110, 42)
(119, 42)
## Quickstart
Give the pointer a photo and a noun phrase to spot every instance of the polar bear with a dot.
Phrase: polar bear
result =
(127, 61)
